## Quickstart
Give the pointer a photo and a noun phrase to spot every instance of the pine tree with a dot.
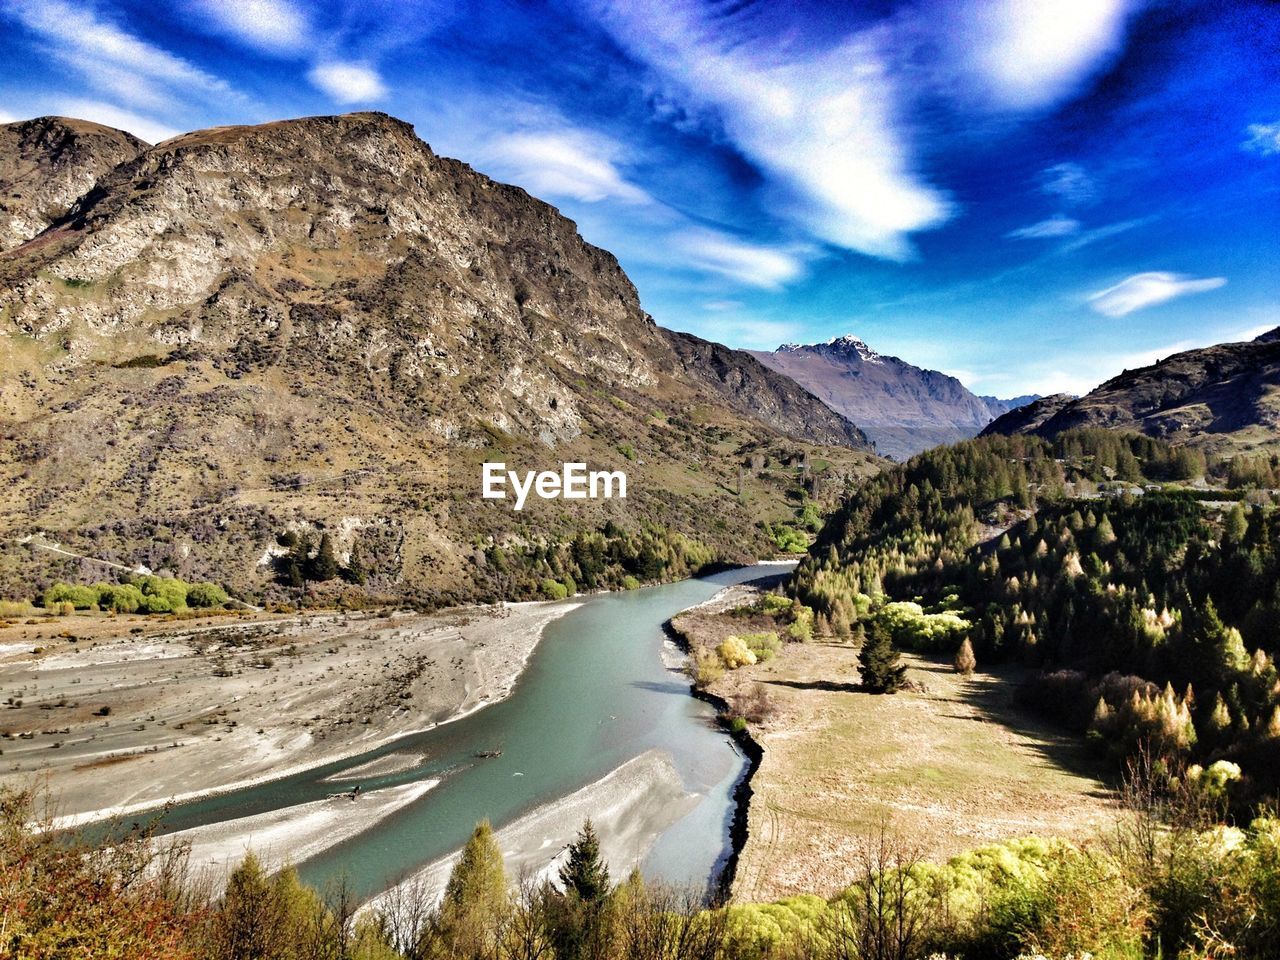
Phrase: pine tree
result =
(354, 571)
(965, 662)
(879, 662)
(475, 899)
(324, 565)
(585, 875)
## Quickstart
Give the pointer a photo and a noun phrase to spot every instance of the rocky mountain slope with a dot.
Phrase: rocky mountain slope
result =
(903, 408)
(47, 164)
(1224, 398)
(321, 323)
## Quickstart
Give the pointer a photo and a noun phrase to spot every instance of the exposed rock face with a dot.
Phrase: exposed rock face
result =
(753, 389)
(1222, 397)
(242, 314)
(47, 164)
(903, 408)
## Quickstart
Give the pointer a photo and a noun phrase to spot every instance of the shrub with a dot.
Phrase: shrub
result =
(119, 597)
(630, 583)
(704, 668)
(163, 595)
(965, 662)
(554, 590)
(735, 653)
(14, 608)
(763, 645)
(206, 595)
(772, 603)
(80, 597)
(801, 628)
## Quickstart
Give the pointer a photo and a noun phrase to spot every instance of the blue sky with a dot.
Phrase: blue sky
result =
(1031, 194)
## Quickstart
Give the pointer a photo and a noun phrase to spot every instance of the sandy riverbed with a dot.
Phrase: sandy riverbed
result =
(292, 834)
(120, 714)
(629, 808)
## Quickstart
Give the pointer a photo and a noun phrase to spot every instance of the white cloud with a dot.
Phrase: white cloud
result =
(348, 82)
(1086, 237)
(720, 306)
(1263, 139)
(1070, 182)
(823, 126)
(6, 117)
(273, 25)
(112, 59)
(1147, 289)
(1055, 226)
(562, 163)
(745, 333)
(1029, 54)
(712, 251)
(143, 127)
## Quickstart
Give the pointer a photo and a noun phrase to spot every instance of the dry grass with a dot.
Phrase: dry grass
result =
(950, 765)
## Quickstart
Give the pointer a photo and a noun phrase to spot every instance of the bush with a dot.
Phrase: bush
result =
(80, 597)
(206, 595)
(735, 653)
(630, 583)
(772, 603)
(801, 628)
(554, 590)
(704, 668)
(14, 608)
(119, 597)
(163, 595)
(764, 646)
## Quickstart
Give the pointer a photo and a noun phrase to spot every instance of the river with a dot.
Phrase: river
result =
(597, 691)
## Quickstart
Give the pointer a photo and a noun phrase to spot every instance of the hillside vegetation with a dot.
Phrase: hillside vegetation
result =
(320, 327)
(1151, 608)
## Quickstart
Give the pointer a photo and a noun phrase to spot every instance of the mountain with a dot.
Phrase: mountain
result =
(903, 408)
(321, 324)
(1224, 398)
(999, 407)
(47, 164)
(1028, 418)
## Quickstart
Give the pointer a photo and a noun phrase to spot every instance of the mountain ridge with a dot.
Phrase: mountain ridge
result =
(903, 408)
(1224, 397)
(235, 315)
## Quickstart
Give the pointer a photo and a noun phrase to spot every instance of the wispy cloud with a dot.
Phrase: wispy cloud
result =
(1094, 234)
(747, 333)
(1028, 54)
(1148, 289)
(1055, 226)
(822, 125)
(348, 82)
(747, 263)
(143, 127)
(271, 25)
(1070, 182)
(720, 306)
(110, 58)
(562, 163)
(1262, 139)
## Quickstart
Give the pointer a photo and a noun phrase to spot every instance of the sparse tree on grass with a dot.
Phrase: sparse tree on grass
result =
(965, 662)
(879, 662)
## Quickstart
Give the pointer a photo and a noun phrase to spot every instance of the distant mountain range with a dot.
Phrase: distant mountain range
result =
(1225, 398)
(903, 408)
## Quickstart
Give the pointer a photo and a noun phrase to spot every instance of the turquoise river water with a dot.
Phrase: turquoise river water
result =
(596, 693)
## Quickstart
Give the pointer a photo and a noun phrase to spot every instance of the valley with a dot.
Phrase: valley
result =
(308, 597)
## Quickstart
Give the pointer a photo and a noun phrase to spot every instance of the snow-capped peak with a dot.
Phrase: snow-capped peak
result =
(845, 345)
